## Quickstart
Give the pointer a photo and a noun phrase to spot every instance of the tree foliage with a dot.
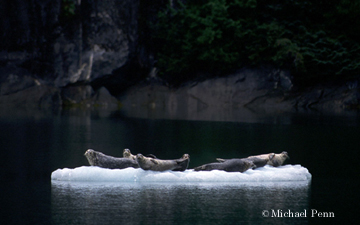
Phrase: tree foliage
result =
(315, 40)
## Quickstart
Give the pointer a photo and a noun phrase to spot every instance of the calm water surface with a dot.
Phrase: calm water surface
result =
(174, 203)
(33, 147)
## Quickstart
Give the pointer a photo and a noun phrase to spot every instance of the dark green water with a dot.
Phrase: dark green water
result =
(33, 147)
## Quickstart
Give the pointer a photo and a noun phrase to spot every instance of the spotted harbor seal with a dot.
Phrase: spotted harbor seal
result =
(276, 160)
(155, 164)
(101, 160)
(127, 154)
(229, 165)
(259, 161)
(279, 159)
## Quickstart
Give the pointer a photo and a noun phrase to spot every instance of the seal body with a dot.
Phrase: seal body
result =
(101, 160)
(148, 163)
(229, 165)
(259, 161)
(274, 159)
(279, 159)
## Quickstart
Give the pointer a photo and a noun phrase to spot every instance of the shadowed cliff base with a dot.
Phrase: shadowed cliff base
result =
(248, 95)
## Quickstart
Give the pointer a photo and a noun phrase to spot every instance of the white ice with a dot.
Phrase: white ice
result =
(264, 174)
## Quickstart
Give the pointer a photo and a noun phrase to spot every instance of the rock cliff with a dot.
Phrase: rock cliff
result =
(60, 44)
(65, 53)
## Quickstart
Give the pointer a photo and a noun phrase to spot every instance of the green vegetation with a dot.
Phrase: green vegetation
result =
(317, 40)
(68, 8)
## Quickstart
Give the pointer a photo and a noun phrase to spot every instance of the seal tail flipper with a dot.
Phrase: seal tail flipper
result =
(199, 168)
(205, 167)
(154, 161)
(182, 164)
(151, 156)
(220, 160)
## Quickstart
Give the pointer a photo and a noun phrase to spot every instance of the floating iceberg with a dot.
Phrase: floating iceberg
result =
(268, 173)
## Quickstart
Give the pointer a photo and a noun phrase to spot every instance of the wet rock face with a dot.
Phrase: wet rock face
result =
(69, 41)
(65, 48)
(108, 34)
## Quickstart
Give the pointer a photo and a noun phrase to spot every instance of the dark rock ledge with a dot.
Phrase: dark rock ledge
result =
(242, 94)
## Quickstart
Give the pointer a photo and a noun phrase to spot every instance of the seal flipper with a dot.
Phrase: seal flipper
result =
(154, 161)
(182, 164)
(206, 167)
(271, 156)
(199, 168)
(151, 156)
(220, 160)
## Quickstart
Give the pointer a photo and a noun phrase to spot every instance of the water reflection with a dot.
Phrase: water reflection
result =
(164, 203)
(241, 114)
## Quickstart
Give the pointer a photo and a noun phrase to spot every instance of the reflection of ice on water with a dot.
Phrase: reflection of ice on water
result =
(264, 174)
(93, 195)
(89, 202)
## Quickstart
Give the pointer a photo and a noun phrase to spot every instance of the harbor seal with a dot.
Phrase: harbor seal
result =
(127, 154)
(276, 160)
(101, 160)
(279, 159)
(229, 165)
(147, 163)
(259, 161)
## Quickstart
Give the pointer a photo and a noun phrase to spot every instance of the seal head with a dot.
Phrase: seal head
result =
(90, 155)
(127, 154)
